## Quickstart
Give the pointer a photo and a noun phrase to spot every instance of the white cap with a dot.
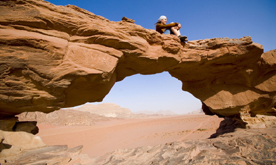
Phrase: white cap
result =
(161, 17)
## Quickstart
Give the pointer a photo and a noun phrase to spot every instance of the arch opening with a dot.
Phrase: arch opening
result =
(155, 93)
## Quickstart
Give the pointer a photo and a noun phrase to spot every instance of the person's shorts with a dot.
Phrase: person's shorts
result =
(168, 31)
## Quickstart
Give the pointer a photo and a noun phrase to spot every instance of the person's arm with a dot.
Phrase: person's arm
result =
(161, 28)
(177, 27)
(167, 25)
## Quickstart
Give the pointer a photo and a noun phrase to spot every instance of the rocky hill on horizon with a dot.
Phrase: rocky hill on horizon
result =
(68, 117)
(114, 110)
(106, 109)
(87, 114)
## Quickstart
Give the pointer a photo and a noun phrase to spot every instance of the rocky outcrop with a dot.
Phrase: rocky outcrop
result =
(20, 145)
(85, 115)
(107, 110)
(62, 118)
(241, 146)
(18, 137)
(252, 146)
(54, 57)
(49, 155)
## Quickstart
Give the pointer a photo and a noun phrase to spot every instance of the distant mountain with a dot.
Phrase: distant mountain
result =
(87, 114)
(106, 109)
(62, 117)
(114, 110)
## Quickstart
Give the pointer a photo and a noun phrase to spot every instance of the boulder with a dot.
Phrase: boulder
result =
(59, 154)
(16, 137)
(13, 143)
(7, 124)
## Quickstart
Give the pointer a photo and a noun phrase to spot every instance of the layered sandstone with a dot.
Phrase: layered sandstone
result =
(107, 110)
(54, 57)
(252, 146)
(17, 137)
(59, 154)
(66, 117)
(63, 56)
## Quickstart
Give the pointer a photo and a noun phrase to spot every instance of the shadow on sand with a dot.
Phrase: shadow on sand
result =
(227, 125)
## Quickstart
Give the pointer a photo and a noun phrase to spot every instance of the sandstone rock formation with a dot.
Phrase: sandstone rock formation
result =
(18, 137)
(107, 110)
(49, 155)
(85, 115)
(245, 146)
(252, 146)
(62, 118)
(56, 56)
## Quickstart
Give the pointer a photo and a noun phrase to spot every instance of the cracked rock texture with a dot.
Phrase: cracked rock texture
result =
(54, 57)
(62, 56)
(252, 146)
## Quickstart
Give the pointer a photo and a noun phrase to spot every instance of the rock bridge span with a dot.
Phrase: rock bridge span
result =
(54, 57)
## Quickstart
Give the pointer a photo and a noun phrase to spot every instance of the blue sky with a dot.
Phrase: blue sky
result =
(200, 19)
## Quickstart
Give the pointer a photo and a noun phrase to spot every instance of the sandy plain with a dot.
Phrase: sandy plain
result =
(106, 136)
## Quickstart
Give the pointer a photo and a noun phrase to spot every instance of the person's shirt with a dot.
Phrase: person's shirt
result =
(161, 28)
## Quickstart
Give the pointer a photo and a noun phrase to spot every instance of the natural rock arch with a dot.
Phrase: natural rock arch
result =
(156, 93)
(54, 57)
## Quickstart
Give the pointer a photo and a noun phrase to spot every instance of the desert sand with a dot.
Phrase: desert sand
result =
(106, 136)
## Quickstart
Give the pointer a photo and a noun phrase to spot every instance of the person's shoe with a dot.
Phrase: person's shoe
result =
(183, 38)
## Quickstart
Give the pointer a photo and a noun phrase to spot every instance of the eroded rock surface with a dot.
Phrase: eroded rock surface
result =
(253, 146)
(62, 118)
(241, 146)
(107, 110)
(17, 137)
(63, 56)
(85, 115)
(53, 57)
(49, 155)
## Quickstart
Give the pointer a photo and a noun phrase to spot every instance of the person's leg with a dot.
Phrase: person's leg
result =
(175, 31)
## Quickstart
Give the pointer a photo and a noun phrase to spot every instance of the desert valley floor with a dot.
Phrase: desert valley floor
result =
(106, 136)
